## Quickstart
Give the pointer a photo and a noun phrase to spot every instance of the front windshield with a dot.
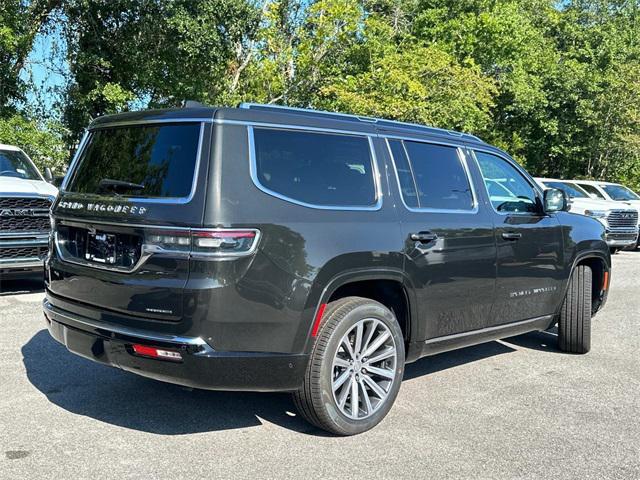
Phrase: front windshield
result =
(14, 163)
(570, 190)
(618, 192)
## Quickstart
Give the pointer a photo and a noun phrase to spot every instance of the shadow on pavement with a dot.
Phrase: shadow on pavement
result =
(546, 341)
(29, 284)
(127, 400)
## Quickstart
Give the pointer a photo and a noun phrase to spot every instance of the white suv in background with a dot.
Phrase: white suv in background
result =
(613, 192)
(620, 219)
(25, 200)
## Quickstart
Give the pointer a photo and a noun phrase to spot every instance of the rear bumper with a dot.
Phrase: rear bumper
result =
(201, 366)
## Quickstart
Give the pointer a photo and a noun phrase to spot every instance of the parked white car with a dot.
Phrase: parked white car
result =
(25, 200)
(620, 219)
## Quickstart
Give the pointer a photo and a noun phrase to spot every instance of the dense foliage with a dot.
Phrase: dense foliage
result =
(556, 84)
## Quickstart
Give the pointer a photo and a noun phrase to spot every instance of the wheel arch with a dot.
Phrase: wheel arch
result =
(600, 267)
(391, 287)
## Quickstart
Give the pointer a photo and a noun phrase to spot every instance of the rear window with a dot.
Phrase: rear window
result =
(315, 168)
(140, 161)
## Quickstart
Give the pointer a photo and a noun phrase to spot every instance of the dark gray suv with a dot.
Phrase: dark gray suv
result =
(275, 249)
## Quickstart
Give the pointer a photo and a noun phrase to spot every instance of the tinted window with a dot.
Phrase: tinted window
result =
(515, 194)
(315, 168)
(567, 188)
(439, 177)
(592, 190)
(140, 161)
(14, 163)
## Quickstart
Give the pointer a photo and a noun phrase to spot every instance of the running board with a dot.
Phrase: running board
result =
(474, 337)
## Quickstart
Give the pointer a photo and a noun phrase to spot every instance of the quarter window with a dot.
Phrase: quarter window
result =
(315, 168)
(431, 176)
(508, 190)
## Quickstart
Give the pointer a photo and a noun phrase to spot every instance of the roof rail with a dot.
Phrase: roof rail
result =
(347, 116)
(311, 111)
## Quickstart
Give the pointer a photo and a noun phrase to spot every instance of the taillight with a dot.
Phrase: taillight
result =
(223, 242)
(207, 242)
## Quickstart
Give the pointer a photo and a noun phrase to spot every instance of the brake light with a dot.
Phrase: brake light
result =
(153, 352)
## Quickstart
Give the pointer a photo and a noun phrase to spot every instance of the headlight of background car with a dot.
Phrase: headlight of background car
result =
(599, 214)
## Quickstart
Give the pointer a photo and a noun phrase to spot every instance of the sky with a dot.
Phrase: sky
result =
(47, 67)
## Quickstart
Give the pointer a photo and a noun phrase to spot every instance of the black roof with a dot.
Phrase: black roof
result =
(280, 114)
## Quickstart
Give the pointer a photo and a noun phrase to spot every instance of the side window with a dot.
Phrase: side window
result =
(431, 176)
(591, 190)
(315, 168)
(508, 190)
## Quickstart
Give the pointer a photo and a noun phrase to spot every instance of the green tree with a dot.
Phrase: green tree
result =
(20, 22)
(43, 143)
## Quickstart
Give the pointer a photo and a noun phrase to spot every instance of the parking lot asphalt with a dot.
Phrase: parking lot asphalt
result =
(516, 408)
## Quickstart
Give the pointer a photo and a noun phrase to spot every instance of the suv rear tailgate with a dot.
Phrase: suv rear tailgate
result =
(121, 252)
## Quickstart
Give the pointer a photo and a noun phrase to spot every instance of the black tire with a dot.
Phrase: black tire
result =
(613, 250)
(315, 400)
(574, 323)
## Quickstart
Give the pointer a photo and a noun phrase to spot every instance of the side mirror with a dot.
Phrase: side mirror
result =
(48, 175)
(555, 200)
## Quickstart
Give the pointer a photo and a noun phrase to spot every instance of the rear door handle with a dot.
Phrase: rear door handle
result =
(423, 237)
(511, 236)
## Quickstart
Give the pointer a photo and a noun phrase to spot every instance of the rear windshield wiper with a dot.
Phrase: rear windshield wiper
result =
(115, 185)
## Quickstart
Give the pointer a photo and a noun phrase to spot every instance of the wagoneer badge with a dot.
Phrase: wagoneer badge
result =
(104, 207)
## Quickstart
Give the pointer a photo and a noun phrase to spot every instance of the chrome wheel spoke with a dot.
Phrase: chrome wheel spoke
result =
(377, 389)
(338, 382)
(342, 398)
(377, 343)
(365, 398)
(355, 398)
(347, 344)
(358, 342)
(381, 372)
(370, 331)
(388, 353)
(341, 362)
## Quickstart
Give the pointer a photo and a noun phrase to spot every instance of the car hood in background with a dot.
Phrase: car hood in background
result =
(12, 185)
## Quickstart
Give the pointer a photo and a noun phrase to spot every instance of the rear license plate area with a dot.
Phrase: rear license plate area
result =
(101, 248)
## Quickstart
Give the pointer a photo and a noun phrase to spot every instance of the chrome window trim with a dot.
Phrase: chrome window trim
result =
(151, 200)
(536, 188)
(374, 162)
(463, 161)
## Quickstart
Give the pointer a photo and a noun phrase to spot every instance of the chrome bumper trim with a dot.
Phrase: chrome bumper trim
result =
(56, 314)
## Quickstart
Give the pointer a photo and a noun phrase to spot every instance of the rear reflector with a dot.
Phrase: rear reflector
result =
(318, 320)
(153, 352)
